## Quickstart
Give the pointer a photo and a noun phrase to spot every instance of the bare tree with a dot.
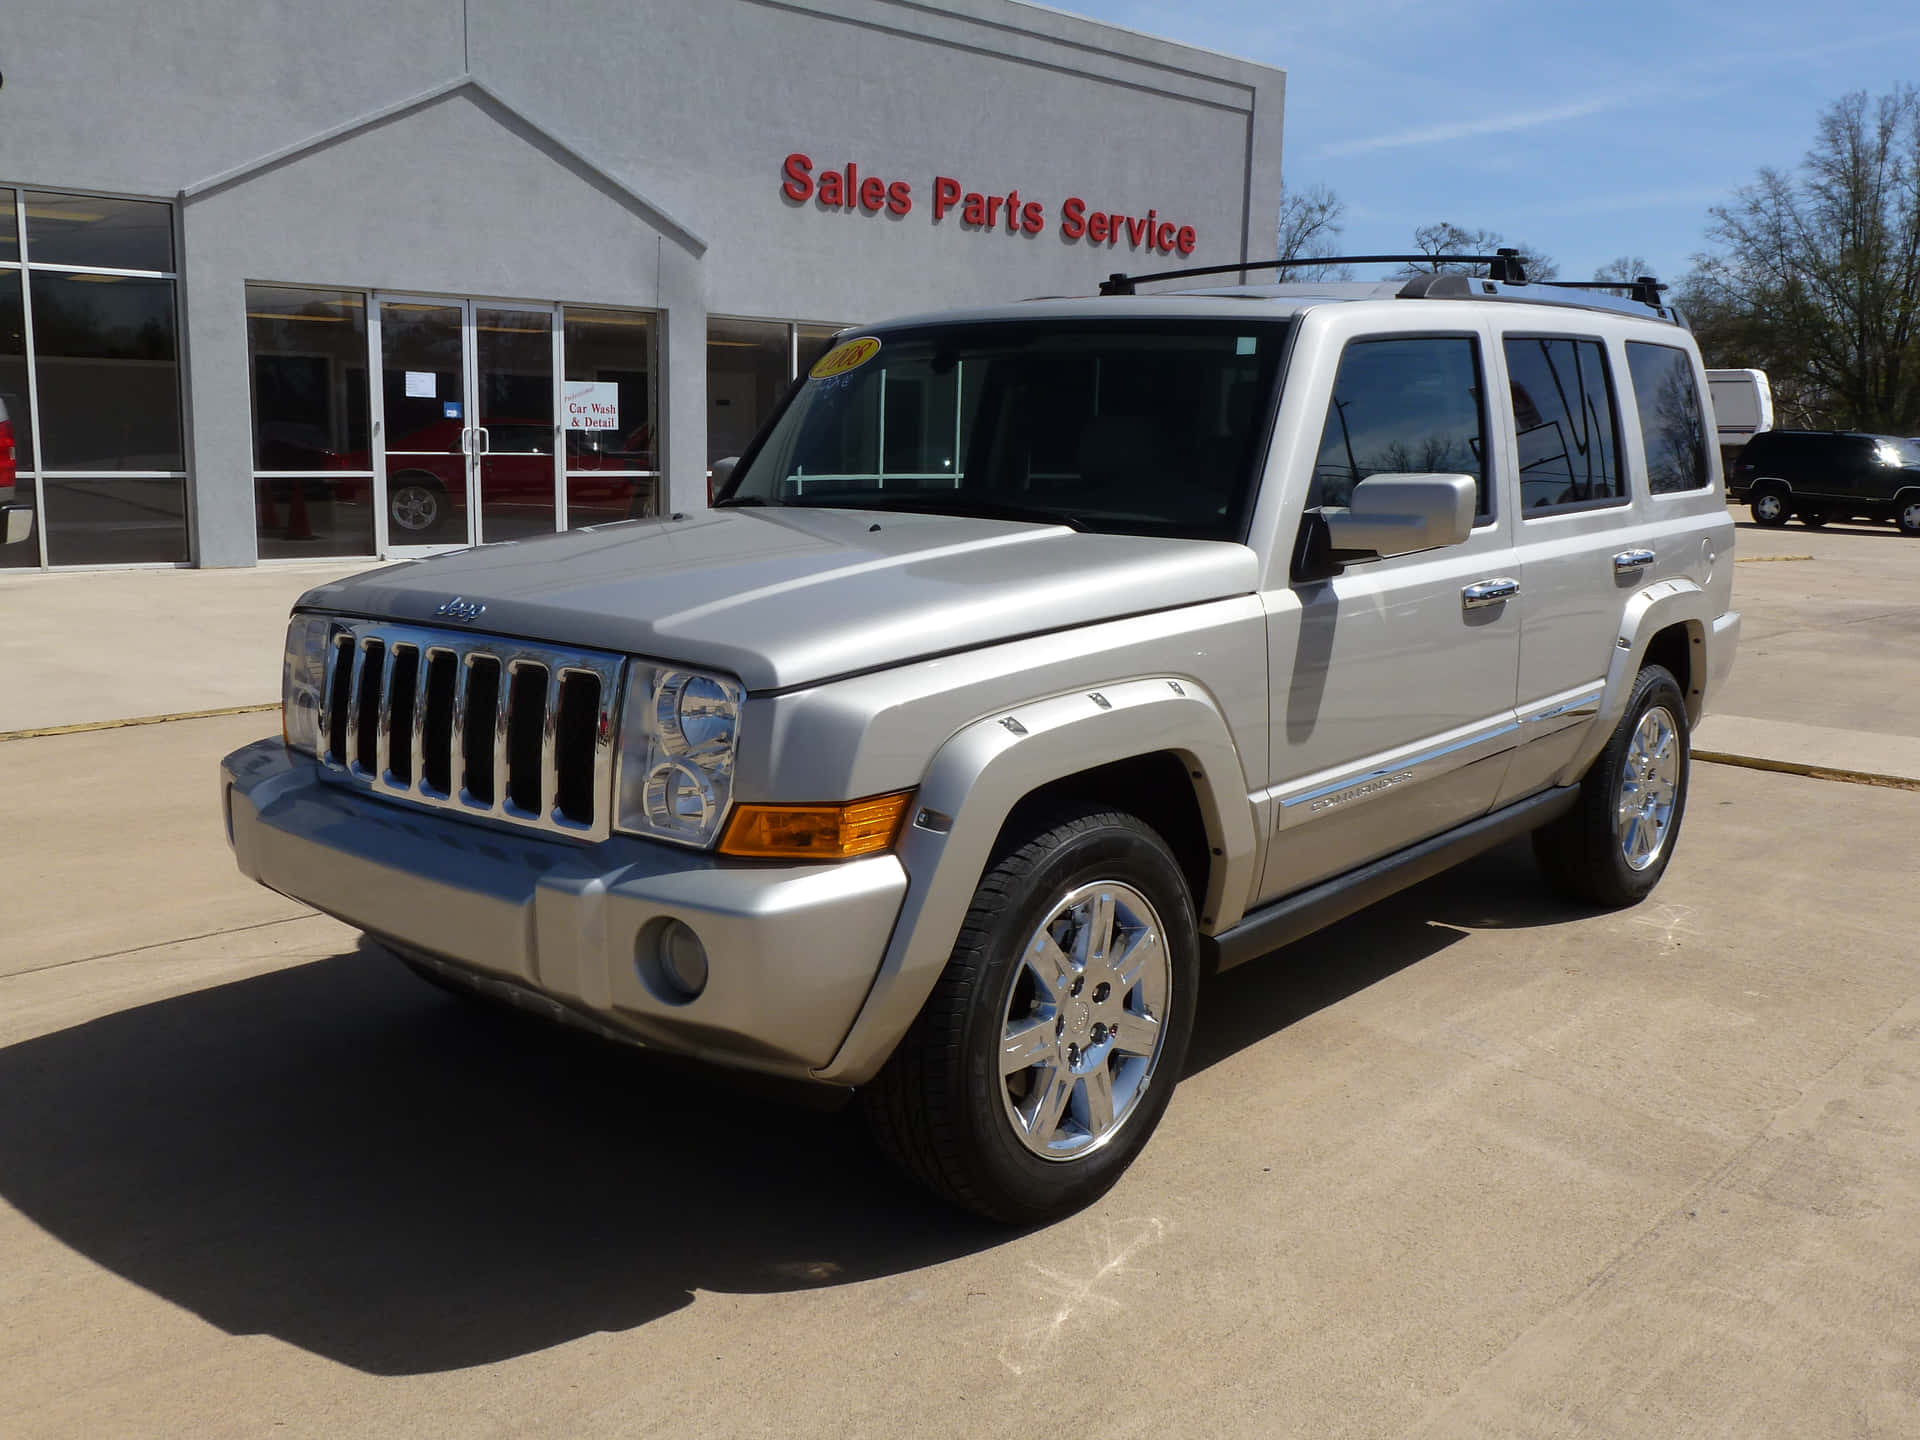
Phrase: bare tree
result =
(1446, 238)
(1309, 229)
(1817, 278)
(1624, 268)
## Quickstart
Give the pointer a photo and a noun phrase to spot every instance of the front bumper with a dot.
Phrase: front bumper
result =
(792, 949)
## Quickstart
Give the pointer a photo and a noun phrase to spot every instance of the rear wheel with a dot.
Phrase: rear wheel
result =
(1769, 508)
(1909, 516)
(1047, 1053)
(1613, 846)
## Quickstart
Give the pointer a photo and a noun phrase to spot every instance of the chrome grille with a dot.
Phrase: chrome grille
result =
(475, 724)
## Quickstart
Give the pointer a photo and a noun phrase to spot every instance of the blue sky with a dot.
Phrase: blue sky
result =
(1586, 131)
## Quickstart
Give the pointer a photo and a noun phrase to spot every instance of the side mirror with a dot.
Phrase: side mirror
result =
(16, 523)
(1399, 514)
(718, 474)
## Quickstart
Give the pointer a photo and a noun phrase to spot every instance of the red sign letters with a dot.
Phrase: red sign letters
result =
(848, 189)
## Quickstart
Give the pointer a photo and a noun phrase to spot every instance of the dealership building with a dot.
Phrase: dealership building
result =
(288, 279)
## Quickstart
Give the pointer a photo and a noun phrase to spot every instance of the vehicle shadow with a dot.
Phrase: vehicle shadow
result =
(1500, 890)
(1876, 529)
(344, 1158)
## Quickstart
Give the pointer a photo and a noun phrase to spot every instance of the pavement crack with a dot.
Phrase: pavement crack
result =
(160, 945)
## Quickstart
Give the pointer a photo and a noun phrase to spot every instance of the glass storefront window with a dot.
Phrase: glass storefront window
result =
(9, 233)
(13, 375)
(749, 365)
(308, 353)
(89, 230)
(108, 372)
(115, 520)
(612, 358)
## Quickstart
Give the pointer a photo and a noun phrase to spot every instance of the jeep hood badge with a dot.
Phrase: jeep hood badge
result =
(460, 608)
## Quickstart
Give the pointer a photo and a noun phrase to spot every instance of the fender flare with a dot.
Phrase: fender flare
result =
(973, 784)
(1659, 606)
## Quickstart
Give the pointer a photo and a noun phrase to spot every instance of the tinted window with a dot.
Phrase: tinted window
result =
(1564, 418)
(1404, 406)
(1137, 427)
(92, 230)
(1672, 426)
(109, 377)
(309, 353)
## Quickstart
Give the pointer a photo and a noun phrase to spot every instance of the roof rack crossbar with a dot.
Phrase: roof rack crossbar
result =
(1504, 265)
(1643, 288)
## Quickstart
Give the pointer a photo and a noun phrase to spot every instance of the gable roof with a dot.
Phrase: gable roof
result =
(593, 170)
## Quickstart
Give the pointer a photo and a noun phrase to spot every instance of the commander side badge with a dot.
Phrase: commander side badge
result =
(459, 608)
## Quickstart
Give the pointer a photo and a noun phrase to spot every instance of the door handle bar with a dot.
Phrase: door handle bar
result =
(1496, 591)
(1629, 560)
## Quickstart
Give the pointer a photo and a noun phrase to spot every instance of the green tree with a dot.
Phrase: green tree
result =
(1816, 274)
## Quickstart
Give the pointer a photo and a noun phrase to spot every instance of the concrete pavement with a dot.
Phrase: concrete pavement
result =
(1471, 1163)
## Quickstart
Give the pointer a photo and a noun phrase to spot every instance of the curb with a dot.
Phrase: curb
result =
(1811, 772)
(88, 725)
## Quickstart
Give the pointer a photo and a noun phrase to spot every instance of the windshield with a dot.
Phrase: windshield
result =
(1125, 426)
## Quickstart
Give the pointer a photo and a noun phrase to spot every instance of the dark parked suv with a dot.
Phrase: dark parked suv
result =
(1822, 475)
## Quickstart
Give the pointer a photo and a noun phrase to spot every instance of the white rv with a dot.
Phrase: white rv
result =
(1742, 408)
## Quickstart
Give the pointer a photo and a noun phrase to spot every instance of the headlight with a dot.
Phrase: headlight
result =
(678, 733)
(302, 674)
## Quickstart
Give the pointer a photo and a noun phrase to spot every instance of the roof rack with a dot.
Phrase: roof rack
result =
(1505, 280)
(1505, 264)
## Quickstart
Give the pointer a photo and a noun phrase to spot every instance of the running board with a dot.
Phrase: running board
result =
(1298, 915)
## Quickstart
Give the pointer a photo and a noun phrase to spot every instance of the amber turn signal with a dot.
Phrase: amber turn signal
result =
(815, 832)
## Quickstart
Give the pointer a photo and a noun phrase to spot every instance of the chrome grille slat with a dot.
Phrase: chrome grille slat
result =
(549, 745)
(502, 777)
(417, 732)
(562, 752)
(383, 722)
(352, 756)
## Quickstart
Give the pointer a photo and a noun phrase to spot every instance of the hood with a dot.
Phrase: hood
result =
(790, 596)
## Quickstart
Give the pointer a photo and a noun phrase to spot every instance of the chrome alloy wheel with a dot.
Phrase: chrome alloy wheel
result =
(1769, 507)
(414, 507)
(1083, 1021)
(1649, 785)
(1910, 518)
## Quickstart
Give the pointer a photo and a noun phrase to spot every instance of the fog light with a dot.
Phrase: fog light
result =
(672, 961)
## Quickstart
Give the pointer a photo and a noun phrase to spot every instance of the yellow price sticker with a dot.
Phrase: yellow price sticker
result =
(842, 358)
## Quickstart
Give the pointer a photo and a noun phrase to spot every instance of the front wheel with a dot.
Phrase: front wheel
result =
(1048, 1050)
(1613, 846)
(1769, 509)
(1909, 517)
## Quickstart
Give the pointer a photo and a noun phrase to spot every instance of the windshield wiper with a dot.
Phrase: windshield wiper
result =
(938, 503)
(742, 501)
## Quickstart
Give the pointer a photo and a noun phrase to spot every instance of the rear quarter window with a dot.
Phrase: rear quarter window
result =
(1564, 422)
(1673, 427)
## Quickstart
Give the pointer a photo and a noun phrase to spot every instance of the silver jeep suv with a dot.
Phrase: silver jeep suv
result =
(1033, 664)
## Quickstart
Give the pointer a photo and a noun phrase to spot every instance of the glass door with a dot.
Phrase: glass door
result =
(425, 445)
(514, 436)
(466, 450)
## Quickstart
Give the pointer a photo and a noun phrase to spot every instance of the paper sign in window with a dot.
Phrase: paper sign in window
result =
(423, 384)
(591, 404)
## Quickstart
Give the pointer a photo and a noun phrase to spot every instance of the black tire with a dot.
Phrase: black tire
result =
(1770, 508)
(1813, 519)
(1582, 852)
(1907, 516)
(940, 1107)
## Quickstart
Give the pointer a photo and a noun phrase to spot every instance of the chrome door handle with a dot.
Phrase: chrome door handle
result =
(1489, 592)
(486, 440)
(1628, 560)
